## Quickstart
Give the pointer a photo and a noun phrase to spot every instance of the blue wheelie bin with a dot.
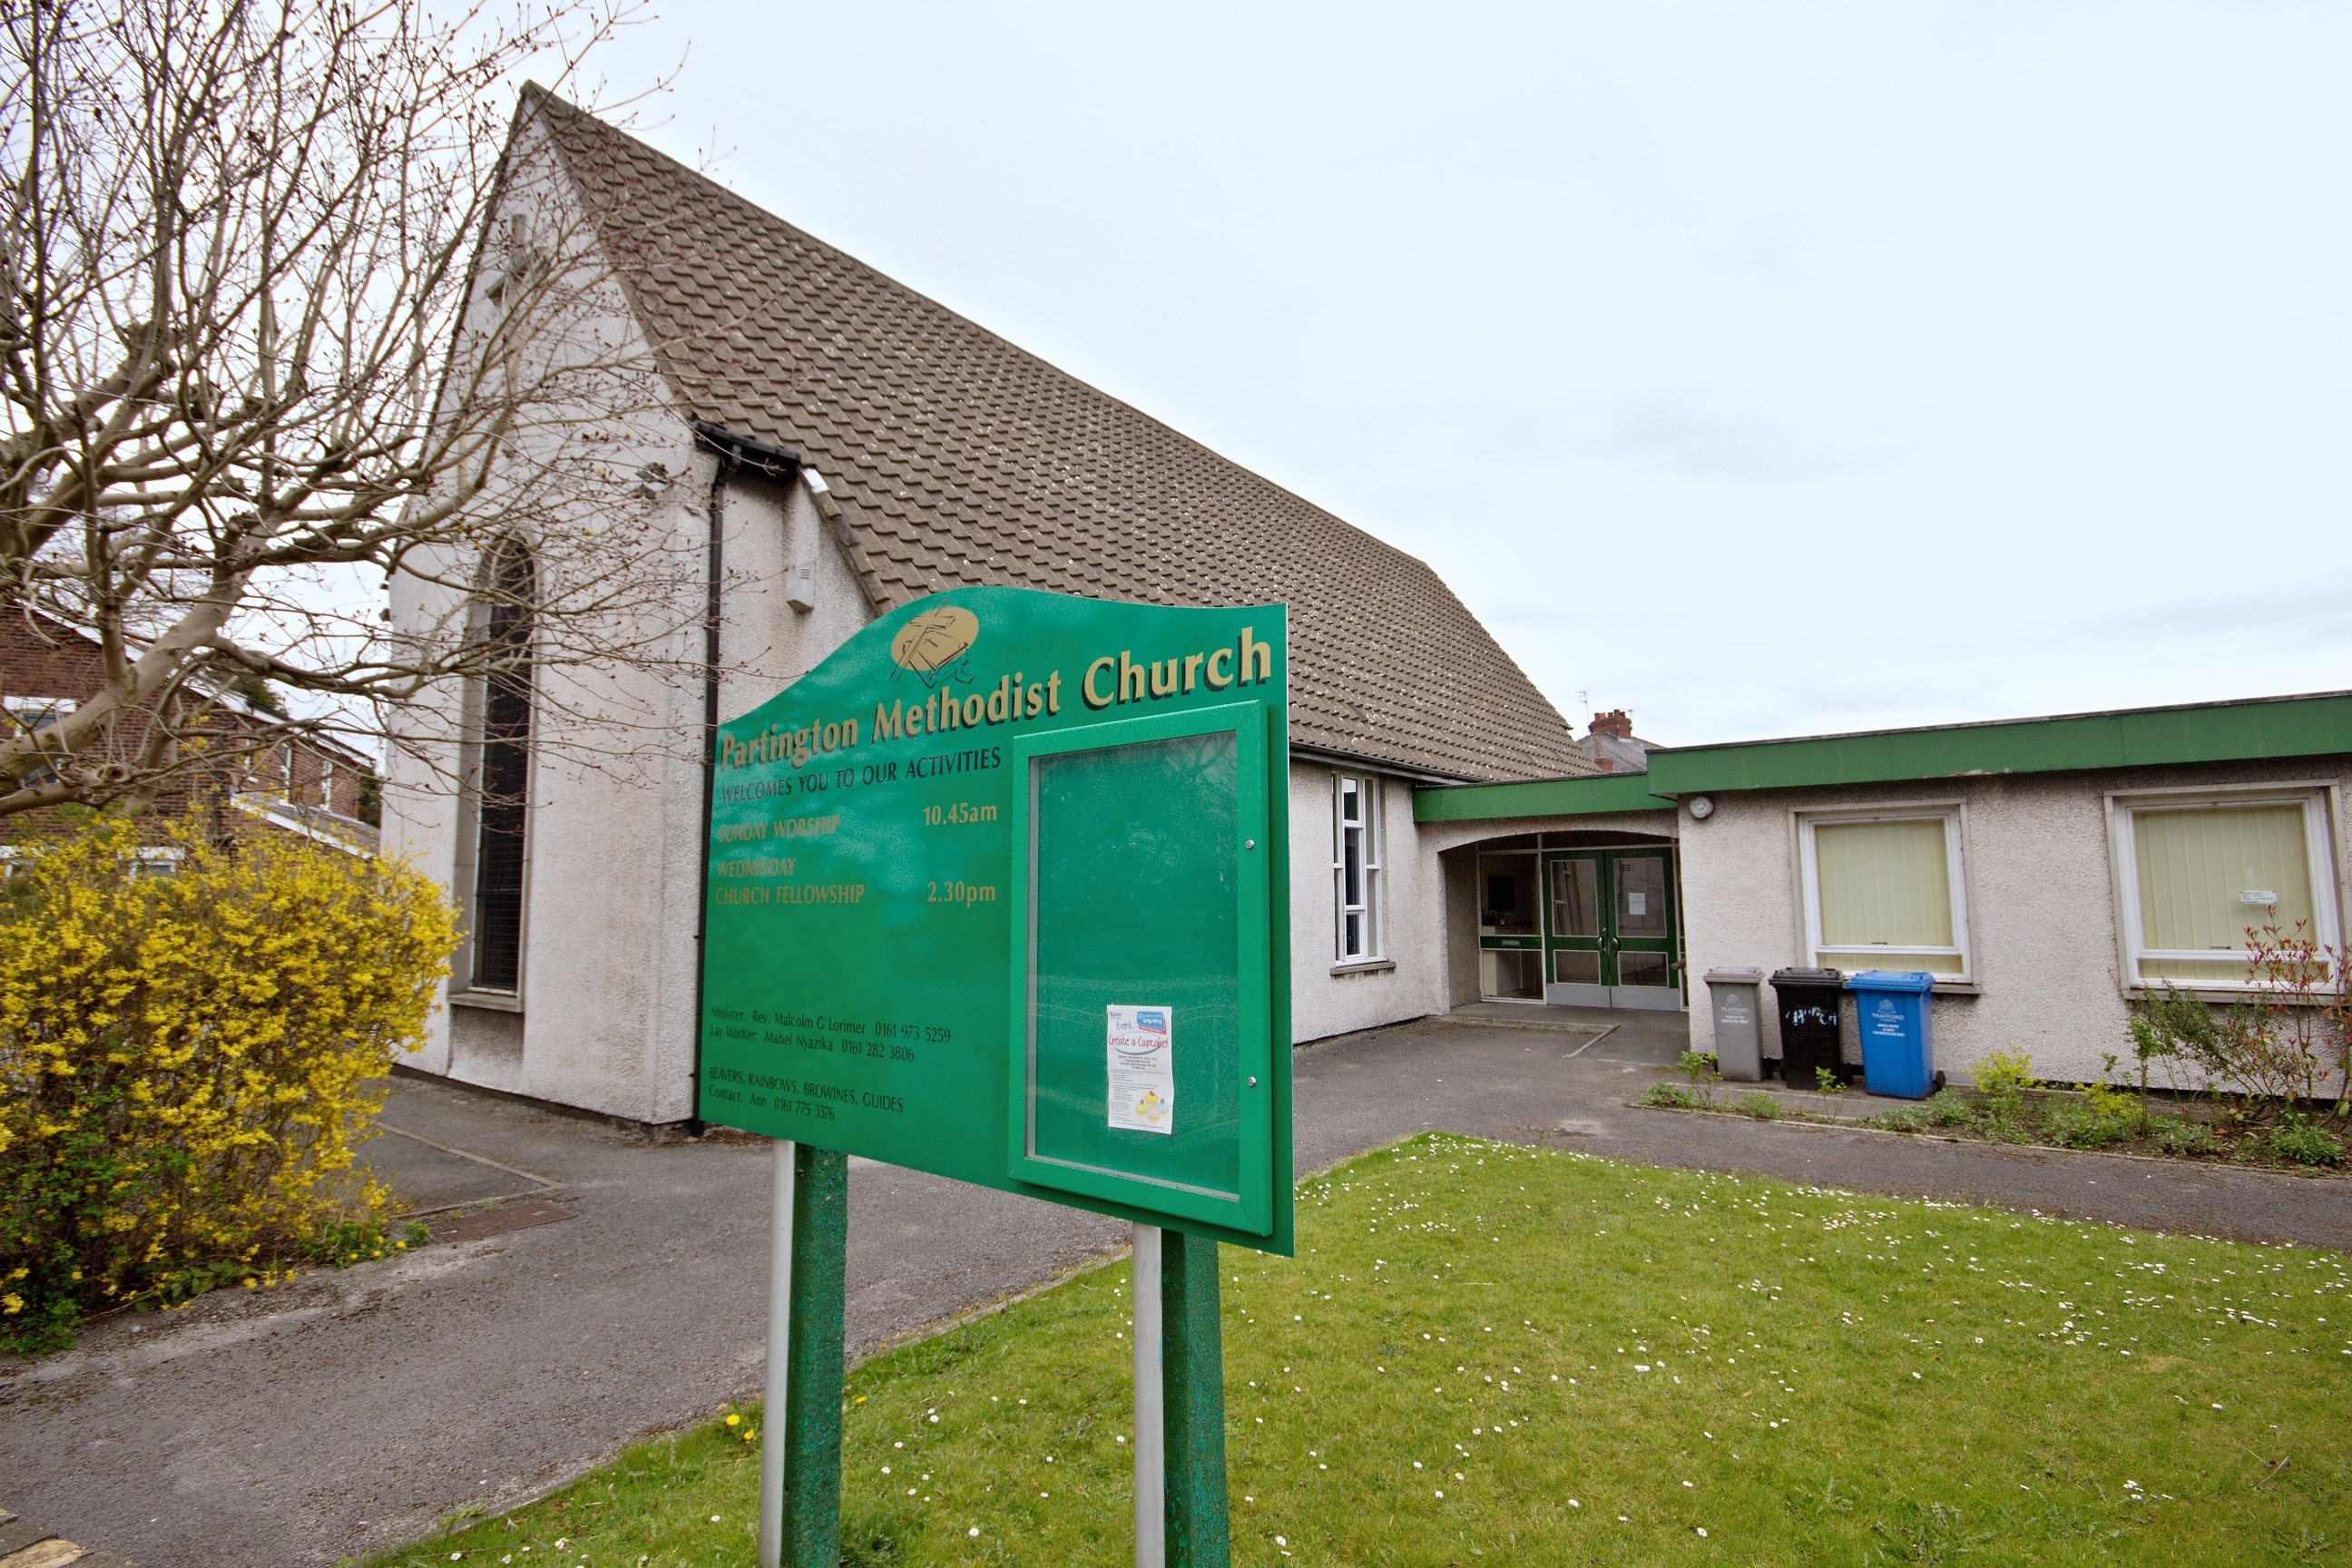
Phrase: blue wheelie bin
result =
(1898, 1057)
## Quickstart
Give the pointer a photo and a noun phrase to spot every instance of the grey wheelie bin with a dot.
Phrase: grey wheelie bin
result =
(1739, 1038)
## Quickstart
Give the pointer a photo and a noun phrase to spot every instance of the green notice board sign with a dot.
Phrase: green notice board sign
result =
(999, 891)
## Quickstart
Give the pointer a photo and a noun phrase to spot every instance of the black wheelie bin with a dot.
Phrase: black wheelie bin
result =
(1809, 1001)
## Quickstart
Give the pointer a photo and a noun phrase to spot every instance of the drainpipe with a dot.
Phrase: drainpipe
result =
(735, 453)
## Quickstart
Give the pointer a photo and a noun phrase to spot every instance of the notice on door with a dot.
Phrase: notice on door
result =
(1141, 1056)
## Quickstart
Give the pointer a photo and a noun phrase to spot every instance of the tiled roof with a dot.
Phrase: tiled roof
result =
(960, 458)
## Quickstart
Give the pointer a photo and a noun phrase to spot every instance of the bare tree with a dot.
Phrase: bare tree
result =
(260, 349)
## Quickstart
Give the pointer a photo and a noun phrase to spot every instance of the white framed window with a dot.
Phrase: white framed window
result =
(38, 712)
(164, 862)
(150, 862)
(1884, 889)
(1356, 868)
(2200, 872)
(32, 713)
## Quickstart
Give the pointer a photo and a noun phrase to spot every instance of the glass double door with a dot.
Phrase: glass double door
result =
(1610, 928)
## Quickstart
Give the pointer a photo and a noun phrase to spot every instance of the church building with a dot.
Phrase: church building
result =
(844, 446)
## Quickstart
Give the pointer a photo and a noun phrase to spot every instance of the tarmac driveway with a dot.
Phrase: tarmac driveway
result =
(616, 1290)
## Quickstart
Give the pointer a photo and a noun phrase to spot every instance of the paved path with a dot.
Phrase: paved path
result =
(344, 1414)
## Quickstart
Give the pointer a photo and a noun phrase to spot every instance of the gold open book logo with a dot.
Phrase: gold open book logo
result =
(936, 638)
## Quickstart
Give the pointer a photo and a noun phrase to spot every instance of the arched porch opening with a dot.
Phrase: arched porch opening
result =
(1574, 917)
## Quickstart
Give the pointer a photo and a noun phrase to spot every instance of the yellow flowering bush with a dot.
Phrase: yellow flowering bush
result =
(187, 1060)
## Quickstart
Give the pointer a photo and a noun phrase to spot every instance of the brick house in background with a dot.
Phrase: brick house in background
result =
(297, 784)
(1613, 745)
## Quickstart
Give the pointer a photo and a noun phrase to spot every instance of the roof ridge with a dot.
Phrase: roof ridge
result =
(575, 113)
(960, 456)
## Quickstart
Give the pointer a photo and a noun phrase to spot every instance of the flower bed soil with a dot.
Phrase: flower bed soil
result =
(2117, 1124)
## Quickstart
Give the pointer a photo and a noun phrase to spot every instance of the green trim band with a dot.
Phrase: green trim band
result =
(2254, 729)
(2142, 737)
(1539, 797)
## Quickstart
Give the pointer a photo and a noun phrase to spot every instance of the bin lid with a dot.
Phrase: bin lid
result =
(1807, 977)
(1891, 980)
(1735, 977)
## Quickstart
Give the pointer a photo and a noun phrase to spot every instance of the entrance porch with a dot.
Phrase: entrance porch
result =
(1574, 920)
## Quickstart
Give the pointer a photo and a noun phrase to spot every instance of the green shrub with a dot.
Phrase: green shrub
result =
(1671, 1096)
(1827, 1081)
(2085, 1127)
(2182, 1135)
(2004, 1075)
(343, 1242)
(1950, 1110)
(1998, 1122)
(2172, 1026)
(1762, 1107)
(1699, 1068)
(2109, 1103)
(1906, 1118)
(2304, 1143)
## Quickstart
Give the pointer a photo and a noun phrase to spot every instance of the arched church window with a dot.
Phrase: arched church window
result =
(503, 778)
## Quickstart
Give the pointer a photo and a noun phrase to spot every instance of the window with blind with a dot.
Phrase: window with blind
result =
(2203, 877)
(1884, 892)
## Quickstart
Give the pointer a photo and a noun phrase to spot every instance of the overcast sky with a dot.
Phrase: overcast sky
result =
(1762, 369)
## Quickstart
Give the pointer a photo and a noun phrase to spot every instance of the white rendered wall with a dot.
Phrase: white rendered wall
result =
(612, 861)
(1328, 997)
(765, 645)
(604, 1017)
(612, 983)
(2042, 900)
(604, 1011)
(613, 893)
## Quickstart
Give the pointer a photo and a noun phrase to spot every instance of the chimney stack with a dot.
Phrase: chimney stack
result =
(1616, 722)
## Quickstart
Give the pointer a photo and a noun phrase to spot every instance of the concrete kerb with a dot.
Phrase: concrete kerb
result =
(543, 1187)
(1820, 1110)
(1838, 1124)
(1446, 1020)
(467, 1154)
(1322, 1042)
(653, 1133)
(1593, 1035)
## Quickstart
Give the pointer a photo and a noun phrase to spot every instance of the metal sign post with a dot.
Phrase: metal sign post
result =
(1150, 1431)
(1192, 1384)
(1000, 892)
(780, 1336)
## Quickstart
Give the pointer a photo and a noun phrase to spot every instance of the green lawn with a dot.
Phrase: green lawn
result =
(1485, 1352)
